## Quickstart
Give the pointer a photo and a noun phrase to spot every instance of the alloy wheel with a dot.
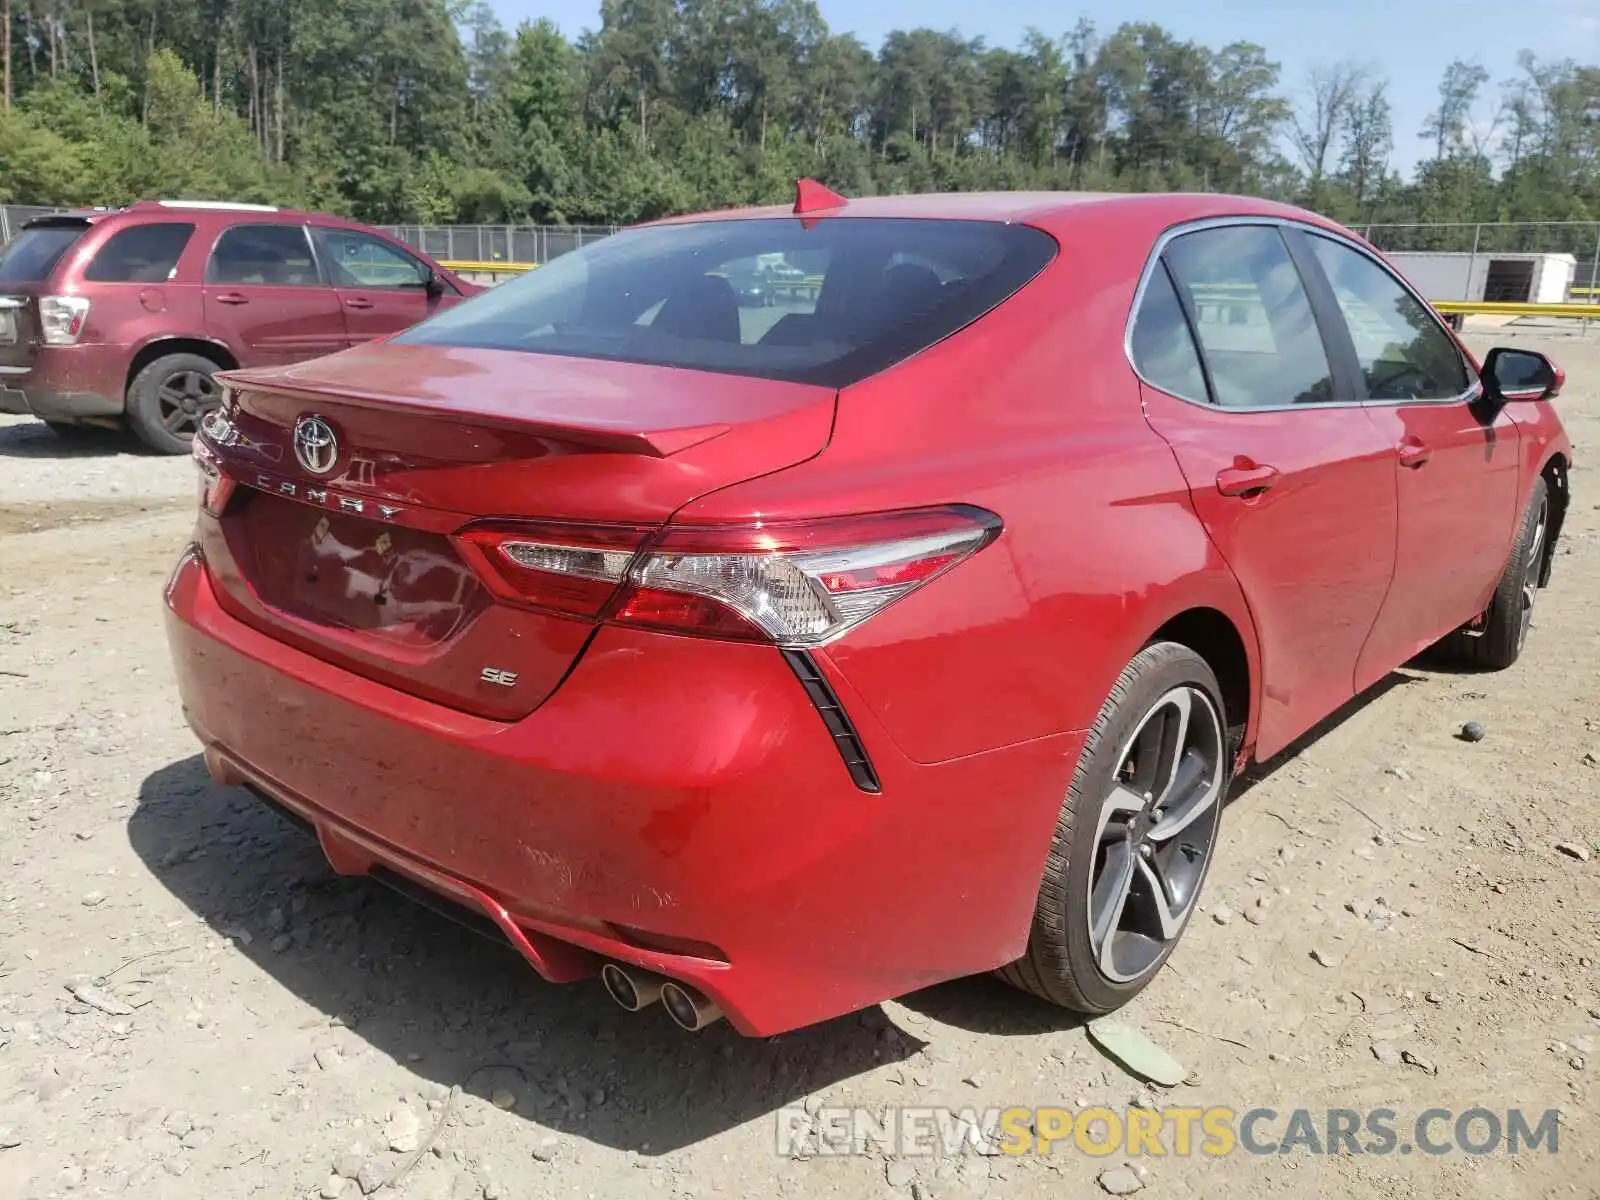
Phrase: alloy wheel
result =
(185, 398)
(1155, 834)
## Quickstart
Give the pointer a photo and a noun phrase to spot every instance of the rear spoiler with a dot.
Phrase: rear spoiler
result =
(617, 439)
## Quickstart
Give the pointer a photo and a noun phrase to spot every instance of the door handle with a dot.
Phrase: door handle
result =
(231, 298)
(1414, 453)
(1246, 481)
(358, 302)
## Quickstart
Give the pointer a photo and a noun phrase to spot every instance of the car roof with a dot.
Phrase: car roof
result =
(1049, 210)
(221, 209)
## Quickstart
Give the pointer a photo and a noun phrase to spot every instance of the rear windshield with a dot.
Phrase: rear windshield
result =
(770, 298)
(33, 254)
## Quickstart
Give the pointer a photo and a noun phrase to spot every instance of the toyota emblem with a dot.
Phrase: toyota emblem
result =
(315, 445)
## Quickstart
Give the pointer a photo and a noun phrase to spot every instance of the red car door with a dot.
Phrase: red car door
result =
(1293, 480)
(382, 288)
(264, 297)
(1456, 457)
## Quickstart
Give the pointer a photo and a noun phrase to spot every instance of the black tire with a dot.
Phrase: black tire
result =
(1063, 963)
(1498, 642)
(168, 399)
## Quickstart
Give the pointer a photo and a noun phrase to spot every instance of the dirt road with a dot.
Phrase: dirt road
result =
(1391, 925)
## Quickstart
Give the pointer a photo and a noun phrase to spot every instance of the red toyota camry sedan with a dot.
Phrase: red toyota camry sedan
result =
(770, 659)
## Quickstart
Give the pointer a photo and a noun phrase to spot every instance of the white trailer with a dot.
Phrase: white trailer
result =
(1502, 278)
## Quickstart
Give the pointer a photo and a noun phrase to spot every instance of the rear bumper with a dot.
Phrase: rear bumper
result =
(65, 382)
(677, 804)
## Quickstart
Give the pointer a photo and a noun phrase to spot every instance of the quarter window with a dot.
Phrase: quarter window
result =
(270, 255)
(1163, 348)
(140, 254)
(1404, 354)
(1252, 317)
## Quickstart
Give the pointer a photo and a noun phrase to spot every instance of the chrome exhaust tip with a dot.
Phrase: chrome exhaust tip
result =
(630, 987)
(687, 1007)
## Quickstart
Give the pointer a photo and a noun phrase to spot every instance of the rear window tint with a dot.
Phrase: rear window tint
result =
(769, 298)
(140, 254)
(33, 253)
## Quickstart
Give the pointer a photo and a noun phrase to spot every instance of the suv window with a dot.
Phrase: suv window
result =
(868, 294)
(1163, 348)
(356, 259)
(274, 255)
(140, 254)
(1404, 354)
(1252, 317)
(35, 251)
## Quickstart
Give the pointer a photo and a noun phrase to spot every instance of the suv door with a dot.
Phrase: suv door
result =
(265, 297)
(1294, 482)
(382, 289)
(1456, 457)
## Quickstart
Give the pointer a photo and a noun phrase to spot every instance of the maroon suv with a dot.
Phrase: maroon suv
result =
(125, 314)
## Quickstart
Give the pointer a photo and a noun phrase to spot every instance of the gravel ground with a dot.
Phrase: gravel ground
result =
(1391, 924)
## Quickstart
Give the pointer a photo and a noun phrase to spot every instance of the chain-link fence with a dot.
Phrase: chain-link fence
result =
(12, 217)
(1581, 239)
(498, 243)
(526, 244)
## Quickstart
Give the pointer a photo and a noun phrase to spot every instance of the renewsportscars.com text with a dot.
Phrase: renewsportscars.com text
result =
(1158, 1132)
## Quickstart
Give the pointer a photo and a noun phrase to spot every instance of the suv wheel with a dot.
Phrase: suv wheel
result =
(169, 398)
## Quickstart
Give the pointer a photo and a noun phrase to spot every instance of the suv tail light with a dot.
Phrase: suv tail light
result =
(795, 584)
(62, 318)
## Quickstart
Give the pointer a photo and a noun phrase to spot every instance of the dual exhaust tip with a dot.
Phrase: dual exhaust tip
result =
(635, 989)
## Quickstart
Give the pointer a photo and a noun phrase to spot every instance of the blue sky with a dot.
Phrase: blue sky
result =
(1410, 41)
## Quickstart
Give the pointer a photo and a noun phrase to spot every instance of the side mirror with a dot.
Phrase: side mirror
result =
(433, 285)
(1521, 375)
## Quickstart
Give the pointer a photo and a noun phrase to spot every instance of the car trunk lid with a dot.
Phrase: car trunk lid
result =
(355, 563)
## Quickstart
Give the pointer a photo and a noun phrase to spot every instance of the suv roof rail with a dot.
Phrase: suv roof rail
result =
(219, 204)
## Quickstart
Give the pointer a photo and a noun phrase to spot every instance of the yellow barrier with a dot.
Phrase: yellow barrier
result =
(1490, 308)
(503, 268)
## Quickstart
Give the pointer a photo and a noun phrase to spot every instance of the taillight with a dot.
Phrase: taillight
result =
(62, 318)
(216, 486)
(795, 584)
(551, 565)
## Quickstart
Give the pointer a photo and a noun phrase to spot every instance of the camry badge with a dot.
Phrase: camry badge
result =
(315, 445)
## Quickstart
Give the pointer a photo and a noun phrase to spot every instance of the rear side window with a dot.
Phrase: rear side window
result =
(1163, 349)
(140, 254)
(33, 253)
(1252, 316)
(271, 255)
(771, 298)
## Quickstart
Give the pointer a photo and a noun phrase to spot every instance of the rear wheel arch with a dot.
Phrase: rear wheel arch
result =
(1216, 637)
(1207, 611)
(161, 347)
